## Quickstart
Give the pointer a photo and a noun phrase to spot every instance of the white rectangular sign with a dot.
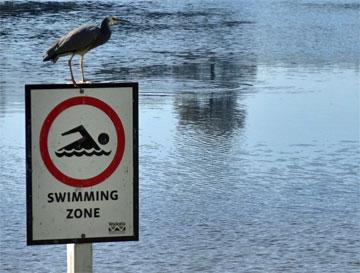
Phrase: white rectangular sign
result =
(82, 163)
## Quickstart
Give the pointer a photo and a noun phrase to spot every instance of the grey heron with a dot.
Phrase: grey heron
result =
(79, 41)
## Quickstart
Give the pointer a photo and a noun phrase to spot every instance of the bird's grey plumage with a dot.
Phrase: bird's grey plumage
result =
(80, 40)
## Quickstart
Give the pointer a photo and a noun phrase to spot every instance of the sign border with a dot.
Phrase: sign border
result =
(44, 132)
(28, 144)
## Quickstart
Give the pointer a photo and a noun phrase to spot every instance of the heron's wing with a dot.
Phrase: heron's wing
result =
(79, 39)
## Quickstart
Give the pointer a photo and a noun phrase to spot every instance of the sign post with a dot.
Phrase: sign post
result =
(79, 258)
(82, 166)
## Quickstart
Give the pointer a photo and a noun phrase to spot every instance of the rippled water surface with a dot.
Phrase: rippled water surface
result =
(249, 131)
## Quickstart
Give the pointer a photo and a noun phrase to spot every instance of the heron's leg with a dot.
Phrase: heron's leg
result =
(71, 73)
(82, 67)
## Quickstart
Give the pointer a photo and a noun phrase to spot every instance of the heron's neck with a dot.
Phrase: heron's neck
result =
(105, 28)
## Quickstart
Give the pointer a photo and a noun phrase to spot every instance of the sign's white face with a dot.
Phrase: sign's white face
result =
(82, 165)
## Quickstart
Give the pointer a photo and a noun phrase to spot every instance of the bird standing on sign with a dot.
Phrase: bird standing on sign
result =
(79, 41)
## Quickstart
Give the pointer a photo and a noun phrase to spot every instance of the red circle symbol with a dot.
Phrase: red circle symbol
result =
(44, 134)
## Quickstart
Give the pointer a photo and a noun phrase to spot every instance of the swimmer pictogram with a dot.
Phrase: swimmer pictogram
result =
(85, 146)
(88, 151)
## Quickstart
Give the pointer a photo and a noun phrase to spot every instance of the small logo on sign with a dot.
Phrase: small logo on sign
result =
(85, 145)
(117, 227)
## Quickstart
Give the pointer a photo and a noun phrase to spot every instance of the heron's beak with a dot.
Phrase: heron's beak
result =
(120, 21)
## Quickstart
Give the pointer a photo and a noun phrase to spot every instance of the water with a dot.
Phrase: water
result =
(249, 131)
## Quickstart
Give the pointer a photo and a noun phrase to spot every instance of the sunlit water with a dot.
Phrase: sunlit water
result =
(249, 131)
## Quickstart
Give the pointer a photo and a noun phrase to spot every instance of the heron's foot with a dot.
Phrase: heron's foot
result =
(84, 81)
(71, 81)
(74, 83)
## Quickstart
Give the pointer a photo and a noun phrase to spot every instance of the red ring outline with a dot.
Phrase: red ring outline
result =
(44, 133)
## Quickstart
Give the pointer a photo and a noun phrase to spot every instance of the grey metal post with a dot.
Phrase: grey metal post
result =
(79, 258)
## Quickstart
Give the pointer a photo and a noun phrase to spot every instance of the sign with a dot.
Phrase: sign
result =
(82, 163)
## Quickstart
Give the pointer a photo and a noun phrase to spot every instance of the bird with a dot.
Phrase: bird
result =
(81, 40)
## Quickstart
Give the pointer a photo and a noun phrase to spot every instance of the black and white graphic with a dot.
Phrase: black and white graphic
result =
(85, 146)
(117, 227)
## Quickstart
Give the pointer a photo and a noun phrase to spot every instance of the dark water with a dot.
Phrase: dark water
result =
(249, 131)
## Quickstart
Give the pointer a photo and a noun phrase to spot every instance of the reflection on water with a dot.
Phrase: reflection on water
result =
(212, 114)
(249, 131)
(226, 73)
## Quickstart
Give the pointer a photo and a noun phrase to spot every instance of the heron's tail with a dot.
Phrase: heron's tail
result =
(48, 57)
(52, 54)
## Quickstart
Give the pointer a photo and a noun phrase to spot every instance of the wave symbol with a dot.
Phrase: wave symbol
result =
(81, 152)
